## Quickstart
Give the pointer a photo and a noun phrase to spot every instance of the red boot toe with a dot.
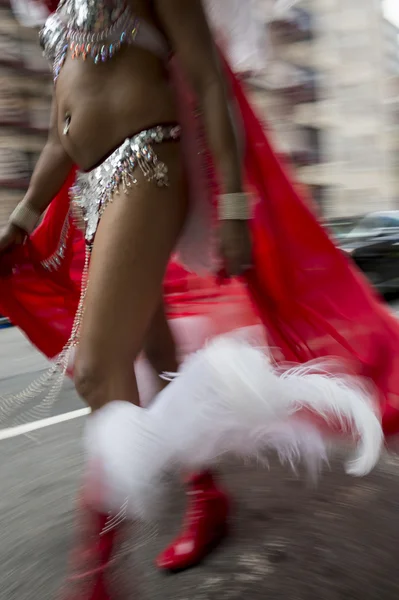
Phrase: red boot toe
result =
(205, 525)
(93, 559)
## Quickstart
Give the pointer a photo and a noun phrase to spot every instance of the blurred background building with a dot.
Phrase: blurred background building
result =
(25, 93)
(330, 95)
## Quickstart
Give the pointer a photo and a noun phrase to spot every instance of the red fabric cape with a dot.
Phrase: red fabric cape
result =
(310, 298)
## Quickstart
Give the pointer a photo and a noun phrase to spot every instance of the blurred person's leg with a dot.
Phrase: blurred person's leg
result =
(137, 232)
(205, 522)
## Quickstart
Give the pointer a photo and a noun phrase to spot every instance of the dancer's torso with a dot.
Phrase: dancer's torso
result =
(110, 68)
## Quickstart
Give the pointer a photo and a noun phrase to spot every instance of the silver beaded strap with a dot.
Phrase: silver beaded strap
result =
(25, 217)
(234, 207)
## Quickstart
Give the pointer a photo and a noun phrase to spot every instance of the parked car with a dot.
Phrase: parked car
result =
(4, 322)
(373, 244)
(339, 227)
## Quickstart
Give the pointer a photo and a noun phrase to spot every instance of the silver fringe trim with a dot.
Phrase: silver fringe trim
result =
(93, 191)
(54, 261)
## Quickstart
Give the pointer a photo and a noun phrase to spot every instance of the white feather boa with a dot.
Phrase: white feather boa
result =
(228, 399)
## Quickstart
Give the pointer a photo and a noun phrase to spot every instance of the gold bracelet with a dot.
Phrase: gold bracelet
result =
(234, 207)
(25, 217)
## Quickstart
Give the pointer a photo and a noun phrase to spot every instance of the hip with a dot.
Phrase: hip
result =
(95, 188)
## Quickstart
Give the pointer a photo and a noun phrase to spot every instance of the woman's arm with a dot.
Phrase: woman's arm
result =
(50, 173)
(51, 170)
(187, 29)
(185, 25)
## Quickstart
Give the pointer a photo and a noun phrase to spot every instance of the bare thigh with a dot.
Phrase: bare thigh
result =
(136, 235)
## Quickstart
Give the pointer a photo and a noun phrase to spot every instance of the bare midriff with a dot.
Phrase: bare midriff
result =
(108, 102)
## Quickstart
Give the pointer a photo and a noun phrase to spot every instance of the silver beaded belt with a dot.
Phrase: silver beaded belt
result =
(93, 190)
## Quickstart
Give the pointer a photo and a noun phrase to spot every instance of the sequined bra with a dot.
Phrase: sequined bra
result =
(96, 30)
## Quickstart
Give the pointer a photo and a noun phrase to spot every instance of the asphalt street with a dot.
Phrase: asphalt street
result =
(289, 540)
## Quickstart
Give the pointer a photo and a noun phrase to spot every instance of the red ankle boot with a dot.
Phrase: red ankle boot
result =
(204, 527)
(92, 561)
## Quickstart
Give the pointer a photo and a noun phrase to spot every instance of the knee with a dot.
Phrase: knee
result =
(89, 379)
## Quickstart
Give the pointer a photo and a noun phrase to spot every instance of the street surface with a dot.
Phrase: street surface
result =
(289, 540)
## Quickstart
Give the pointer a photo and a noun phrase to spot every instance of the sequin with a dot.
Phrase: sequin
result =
(95, 28)
(93, 16)
(54, 261)
(93, 191)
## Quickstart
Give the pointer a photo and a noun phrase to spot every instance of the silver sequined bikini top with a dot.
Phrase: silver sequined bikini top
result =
(96, 29)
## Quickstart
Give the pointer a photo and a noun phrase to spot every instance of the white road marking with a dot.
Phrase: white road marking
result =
(13, 336)
(12, 432)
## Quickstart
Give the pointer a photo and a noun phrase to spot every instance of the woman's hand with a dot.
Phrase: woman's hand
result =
(235, 246)
(11, 236)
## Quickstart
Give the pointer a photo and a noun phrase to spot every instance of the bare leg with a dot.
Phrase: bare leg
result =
(136, 235)
(207, 510)
(160, 347)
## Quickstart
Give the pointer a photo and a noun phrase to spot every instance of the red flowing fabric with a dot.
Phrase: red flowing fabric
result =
(311, 300)
(52, 5)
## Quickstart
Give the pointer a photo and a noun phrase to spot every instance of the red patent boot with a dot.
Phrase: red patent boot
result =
(92, 570)
(204, 527)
